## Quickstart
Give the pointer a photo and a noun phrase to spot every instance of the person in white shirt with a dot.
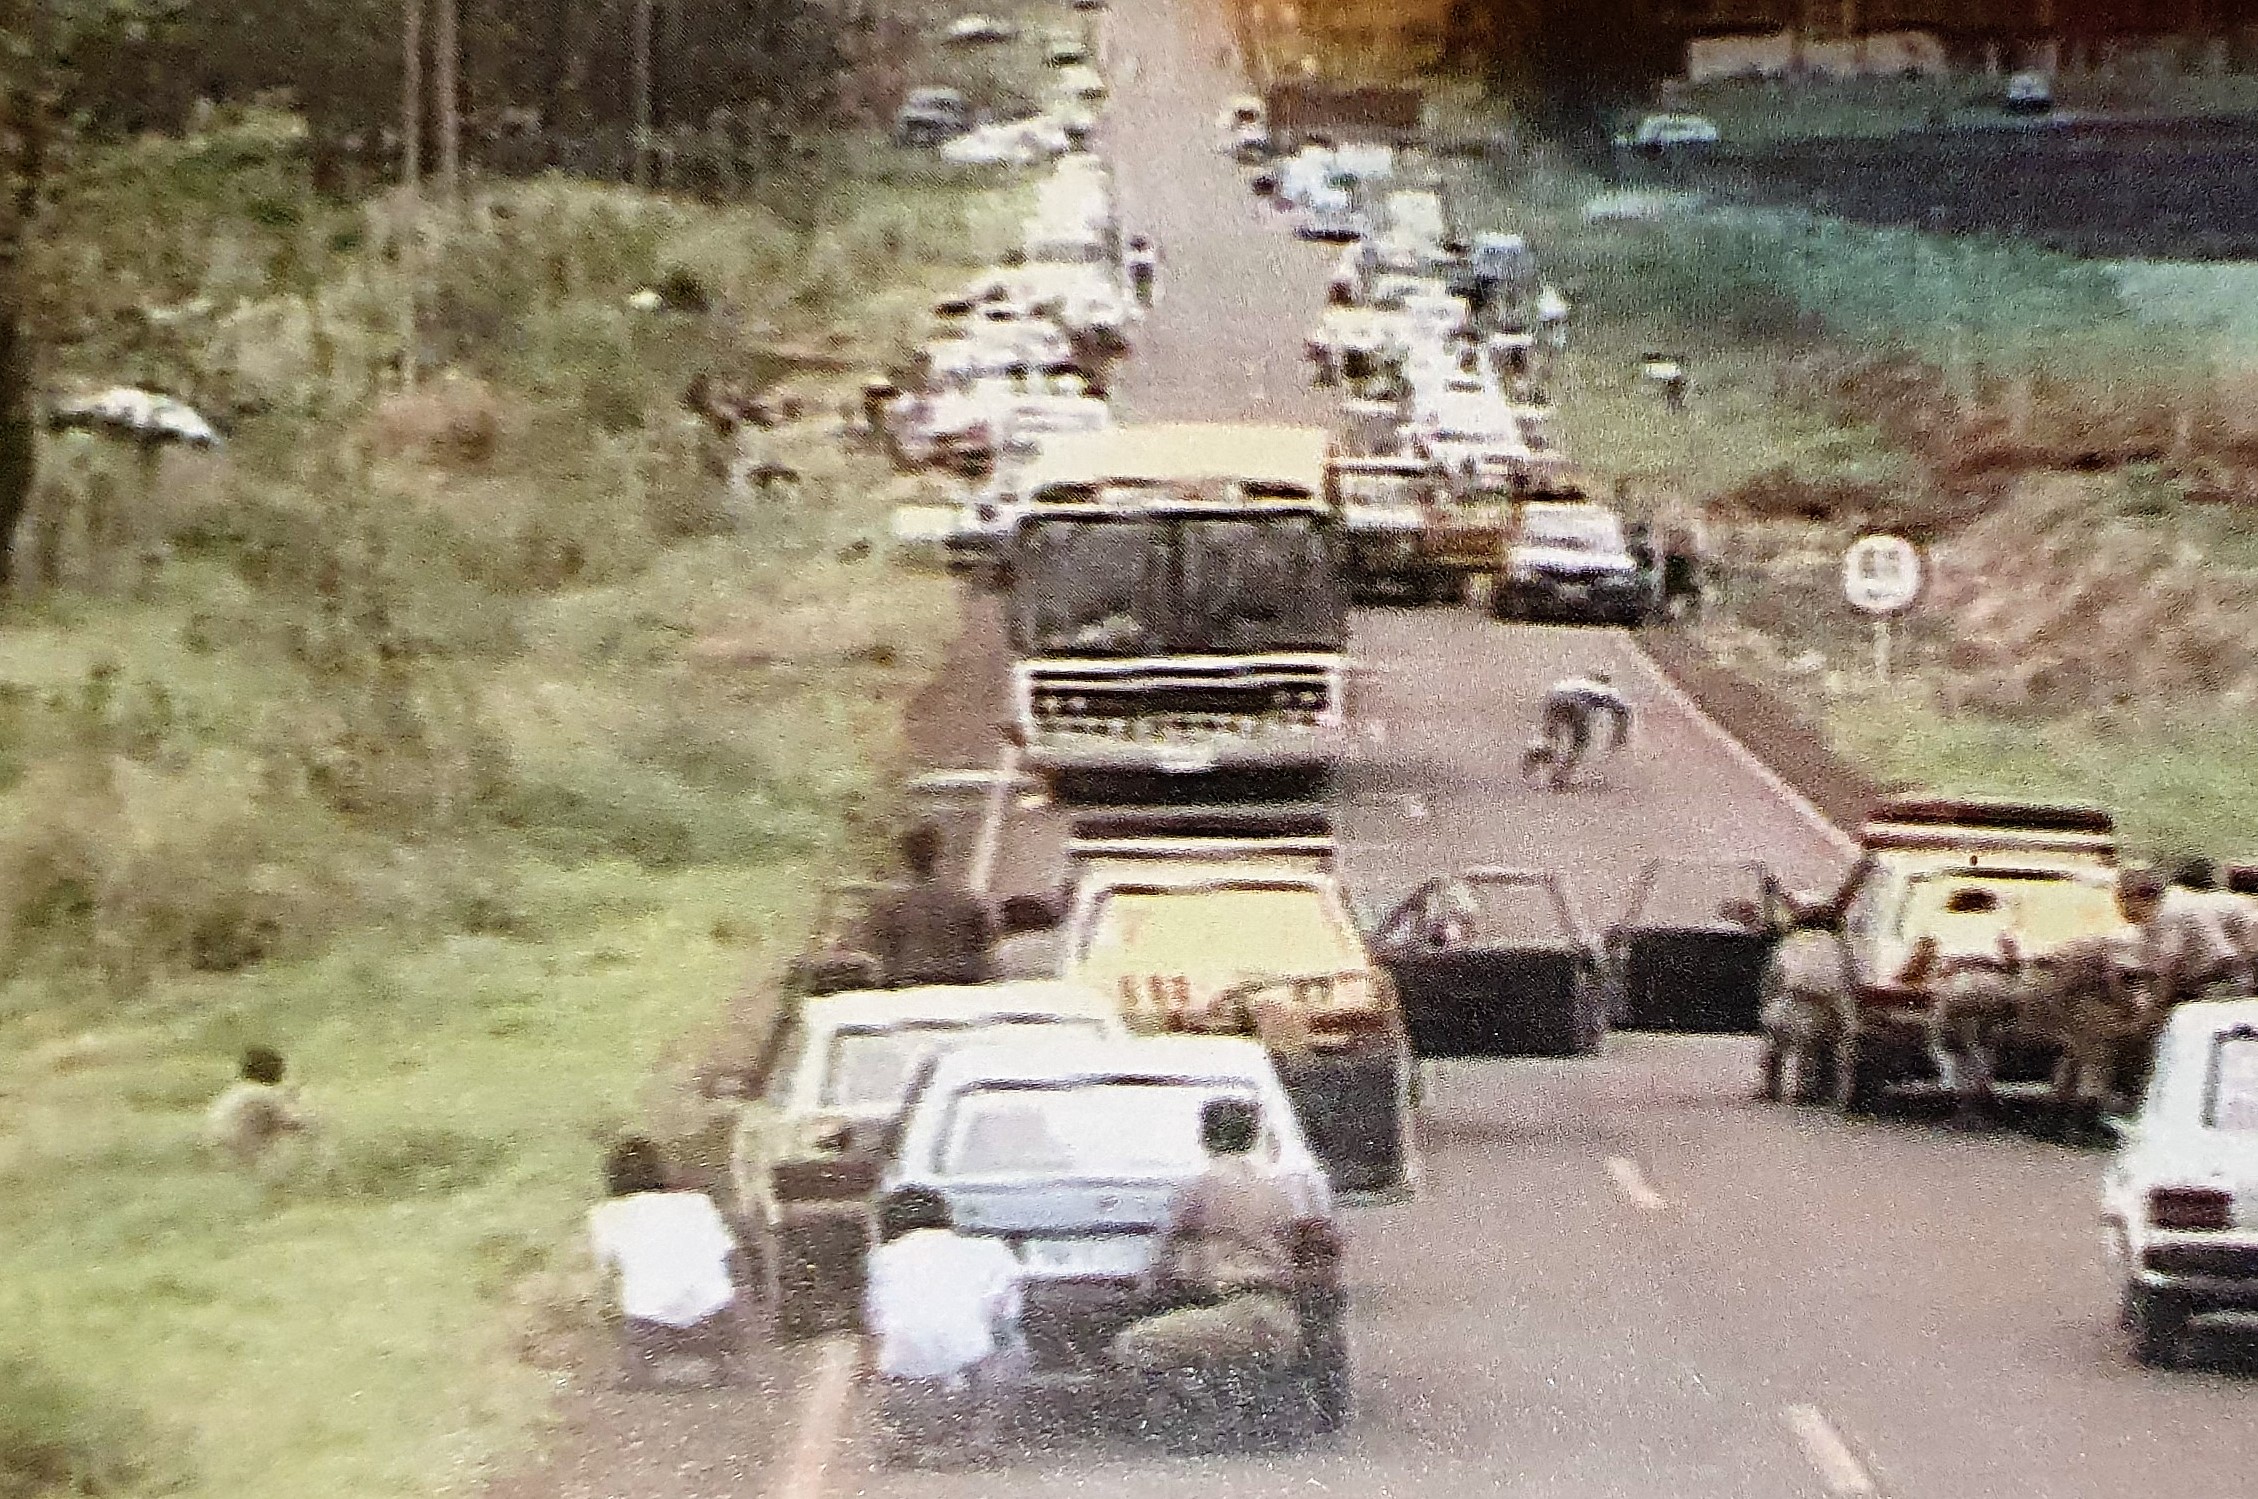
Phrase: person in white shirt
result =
(943, 1311)
(671, 1256)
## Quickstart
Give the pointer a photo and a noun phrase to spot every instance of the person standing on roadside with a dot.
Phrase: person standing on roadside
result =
(2195, 884)
(671, 1257)
(1143, 266)
(927, 930)
(257, 1110)
(2184, 948)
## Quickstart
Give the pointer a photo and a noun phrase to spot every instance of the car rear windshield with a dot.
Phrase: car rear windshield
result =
(2231, 1101)
(867, 1067)
(1103, 1130)
(1245, 930)
(1594, 531)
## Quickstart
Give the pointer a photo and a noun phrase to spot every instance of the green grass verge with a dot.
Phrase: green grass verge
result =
(474, 747)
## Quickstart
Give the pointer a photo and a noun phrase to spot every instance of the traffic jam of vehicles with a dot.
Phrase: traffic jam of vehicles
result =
(1178, 600)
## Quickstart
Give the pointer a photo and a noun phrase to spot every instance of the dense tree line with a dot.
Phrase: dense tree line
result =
(568, 60)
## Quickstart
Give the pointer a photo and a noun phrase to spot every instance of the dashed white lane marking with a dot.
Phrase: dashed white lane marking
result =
(1840, 1470)
(821, 1418)
(1413, 807)
(983, 867)
(1632, 1182)
(1376, 731)
(1746, 757)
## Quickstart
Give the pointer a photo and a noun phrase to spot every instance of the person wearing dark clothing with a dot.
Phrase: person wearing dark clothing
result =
(928, 931)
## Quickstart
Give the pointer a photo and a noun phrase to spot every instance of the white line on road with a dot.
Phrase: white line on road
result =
(1627, 1176)
(983, 867)
(820, 1420)
(1414, 807)
(1746, 756)
(1376, 731)
(1839, 1468)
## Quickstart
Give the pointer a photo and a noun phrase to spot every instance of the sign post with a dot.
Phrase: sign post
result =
(1881, 576)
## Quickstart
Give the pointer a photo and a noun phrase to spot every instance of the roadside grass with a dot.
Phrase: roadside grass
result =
(2084, 637)
(479, 748)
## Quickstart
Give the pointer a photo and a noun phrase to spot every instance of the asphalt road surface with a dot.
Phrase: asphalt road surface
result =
(1621, 1277)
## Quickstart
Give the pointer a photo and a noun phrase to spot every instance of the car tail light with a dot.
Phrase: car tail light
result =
(2190, 1208)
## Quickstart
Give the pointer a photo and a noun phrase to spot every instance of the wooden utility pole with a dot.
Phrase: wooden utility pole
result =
(411, 179)
(640, 82)
(448, 46)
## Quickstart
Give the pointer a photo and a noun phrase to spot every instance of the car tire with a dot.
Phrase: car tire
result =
(1505, 604)
(2157, 1322)
(1771, 1067)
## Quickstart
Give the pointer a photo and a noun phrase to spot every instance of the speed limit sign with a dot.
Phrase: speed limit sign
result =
(1881, 574)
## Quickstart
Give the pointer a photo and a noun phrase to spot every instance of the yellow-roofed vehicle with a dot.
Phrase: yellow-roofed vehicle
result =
(1950, 900)
(1234, 921)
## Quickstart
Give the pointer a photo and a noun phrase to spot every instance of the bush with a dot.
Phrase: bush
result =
(57, 1438)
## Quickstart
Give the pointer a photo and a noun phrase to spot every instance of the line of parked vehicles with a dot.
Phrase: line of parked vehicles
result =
(1178, 598)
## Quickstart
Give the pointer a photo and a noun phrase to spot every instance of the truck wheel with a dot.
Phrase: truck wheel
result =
(2158, 1322)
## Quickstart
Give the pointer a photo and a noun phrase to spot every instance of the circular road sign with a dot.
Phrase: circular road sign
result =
(1881, 574)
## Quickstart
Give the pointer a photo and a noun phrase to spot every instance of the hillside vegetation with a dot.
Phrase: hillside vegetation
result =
(472, 745)
(2061, 434)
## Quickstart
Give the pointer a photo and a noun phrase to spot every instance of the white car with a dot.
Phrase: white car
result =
(808, 1152)
(1071, 1152)
(2180, 1200)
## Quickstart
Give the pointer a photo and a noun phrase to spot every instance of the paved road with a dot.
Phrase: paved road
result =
(1622, 1278)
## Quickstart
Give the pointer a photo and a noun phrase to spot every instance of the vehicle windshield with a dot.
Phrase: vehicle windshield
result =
(873, 1066)
(1261, 585)
(1245, 929)
(1093, 587)
(1148, 586)
(2231, 1094)
(1574, 531)
(1102, 1130)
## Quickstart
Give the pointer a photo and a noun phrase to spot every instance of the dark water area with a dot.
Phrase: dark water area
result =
(2160, 189)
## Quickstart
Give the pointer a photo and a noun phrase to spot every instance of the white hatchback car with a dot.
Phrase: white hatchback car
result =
(2181, 1198)
(1072, 1152)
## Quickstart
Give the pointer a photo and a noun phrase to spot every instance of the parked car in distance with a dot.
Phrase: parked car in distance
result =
(2029, 94)
(1661, 134)
(2180, 1199)
(808, 1152)
(1571, 561)
(1071, 1152)
(930, 116)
